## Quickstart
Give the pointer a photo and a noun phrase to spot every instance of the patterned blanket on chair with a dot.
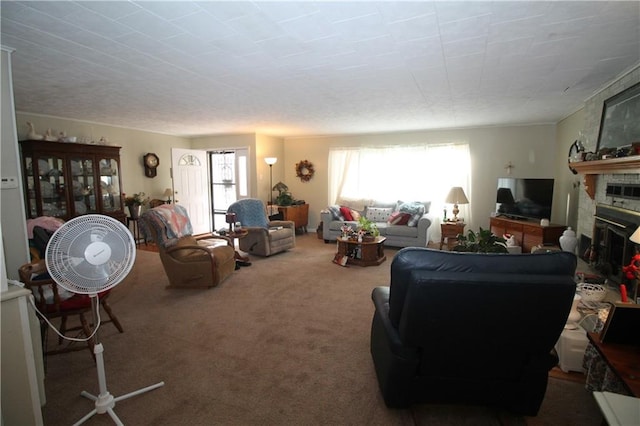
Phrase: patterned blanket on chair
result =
(170, 222)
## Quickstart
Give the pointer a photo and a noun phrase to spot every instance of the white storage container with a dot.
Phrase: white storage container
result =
(570, 348)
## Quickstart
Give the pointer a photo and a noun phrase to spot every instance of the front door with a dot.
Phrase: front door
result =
(190, 186)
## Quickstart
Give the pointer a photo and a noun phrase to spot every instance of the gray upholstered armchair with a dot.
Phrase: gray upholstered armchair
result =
(265, 237)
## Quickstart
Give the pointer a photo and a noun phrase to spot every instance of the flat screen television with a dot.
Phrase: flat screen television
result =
(523, 198)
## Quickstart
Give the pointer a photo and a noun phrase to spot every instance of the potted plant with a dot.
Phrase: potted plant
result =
(135, 202)
(284, 199)
(367, 229)
(482, 242)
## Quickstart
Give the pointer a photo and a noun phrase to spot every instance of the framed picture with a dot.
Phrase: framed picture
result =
(620, 123)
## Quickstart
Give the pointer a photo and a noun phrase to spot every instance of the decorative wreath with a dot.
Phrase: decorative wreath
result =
(304, 170)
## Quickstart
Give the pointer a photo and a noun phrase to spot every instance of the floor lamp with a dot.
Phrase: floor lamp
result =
(270, 161)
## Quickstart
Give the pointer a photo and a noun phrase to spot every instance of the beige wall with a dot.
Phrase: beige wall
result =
(567, 185)
(135, 144)
(530, 149)
(14, 227)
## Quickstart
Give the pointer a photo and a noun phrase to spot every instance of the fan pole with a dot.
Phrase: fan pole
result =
(105, 402)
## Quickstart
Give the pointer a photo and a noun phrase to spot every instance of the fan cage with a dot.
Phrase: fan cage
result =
(66, 251)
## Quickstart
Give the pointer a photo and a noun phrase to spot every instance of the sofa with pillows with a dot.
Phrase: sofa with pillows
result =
(403, 223)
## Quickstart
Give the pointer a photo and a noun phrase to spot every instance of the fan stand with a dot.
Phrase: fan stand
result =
(105, 402)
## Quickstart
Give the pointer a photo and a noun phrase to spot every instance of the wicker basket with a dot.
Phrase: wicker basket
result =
(592, 292)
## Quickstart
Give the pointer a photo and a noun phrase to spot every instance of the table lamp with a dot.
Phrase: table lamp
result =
(230, 218)
(270, 161)
(456, 196)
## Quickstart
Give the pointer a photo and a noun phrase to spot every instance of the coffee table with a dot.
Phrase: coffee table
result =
(365, 253)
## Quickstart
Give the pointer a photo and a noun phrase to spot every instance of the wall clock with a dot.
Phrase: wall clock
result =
(151, 162)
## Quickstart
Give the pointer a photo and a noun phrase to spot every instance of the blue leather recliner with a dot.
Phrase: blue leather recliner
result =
(470, 328)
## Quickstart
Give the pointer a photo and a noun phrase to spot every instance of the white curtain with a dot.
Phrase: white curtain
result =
(408, 173)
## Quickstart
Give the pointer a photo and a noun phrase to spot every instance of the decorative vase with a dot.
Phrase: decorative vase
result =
(568, 240)
(574, 316)
(134, 211)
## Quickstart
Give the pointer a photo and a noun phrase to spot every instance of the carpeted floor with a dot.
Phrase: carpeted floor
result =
(284, 341)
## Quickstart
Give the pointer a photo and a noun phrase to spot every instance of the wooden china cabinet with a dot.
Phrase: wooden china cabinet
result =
(66, 180)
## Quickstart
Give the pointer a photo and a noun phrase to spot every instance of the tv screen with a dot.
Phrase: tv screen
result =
(522, 198)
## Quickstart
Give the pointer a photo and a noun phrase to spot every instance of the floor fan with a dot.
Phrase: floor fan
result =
(88, 255)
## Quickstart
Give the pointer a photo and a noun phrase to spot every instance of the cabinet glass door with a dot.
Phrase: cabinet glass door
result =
(110, 185)
(48, 172)
(32, 205)
(84, 182)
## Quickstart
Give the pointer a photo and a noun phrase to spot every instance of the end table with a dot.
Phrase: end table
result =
(450, 231)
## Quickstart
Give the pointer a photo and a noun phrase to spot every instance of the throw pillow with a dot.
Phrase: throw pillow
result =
(335, 212)
(398, 218)
(413, 221)
(378, 214)
(355, 214)
(346, 213)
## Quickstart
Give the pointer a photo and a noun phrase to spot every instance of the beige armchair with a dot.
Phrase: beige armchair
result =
(189, 260)
(265, 237)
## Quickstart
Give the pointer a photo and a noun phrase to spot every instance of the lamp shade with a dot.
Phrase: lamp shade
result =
(635, 237)
(167, 192)
(271, 160)
(456, 196)
(505, 196)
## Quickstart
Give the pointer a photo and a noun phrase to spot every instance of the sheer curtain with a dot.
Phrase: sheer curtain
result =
(408, 173)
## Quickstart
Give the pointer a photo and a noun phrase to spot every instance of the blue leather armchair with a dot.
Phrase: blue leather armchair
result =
(470, 328)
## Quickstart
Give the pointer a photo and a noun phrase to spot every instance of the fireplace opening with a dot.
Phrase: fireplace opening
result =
(611, 248)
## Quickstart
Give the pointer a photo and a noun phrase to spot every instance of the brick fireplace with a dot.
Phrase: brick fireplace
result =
(598, 203)
(610, 248)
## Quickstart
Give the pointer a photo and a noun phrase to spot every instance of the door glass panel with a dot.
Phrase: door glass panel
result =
(110, 185)
(223, 184)
(52, 186)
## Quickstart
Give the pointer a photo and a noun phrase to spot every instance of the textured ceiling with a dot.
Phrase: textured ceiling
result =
(308, 68)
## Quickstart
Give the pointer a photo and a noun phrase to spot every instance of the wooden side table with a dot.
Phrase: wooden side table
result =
(135, 230)
(450, 231)
(299, 214)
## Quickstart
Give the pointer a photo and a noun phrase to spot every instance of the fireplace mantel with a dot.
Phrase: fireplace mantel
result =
(591, 170)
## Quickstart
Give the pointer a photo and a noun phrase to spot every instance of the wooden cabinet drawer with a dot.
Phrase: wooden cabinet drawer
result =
(532, 230)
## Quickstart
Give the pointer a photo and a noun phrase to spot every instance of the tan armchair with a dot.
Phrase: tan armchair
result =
(265, 237)
(189, 260)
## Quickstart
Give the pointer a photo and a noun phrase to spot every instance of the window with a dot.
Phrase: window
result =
(410, 173)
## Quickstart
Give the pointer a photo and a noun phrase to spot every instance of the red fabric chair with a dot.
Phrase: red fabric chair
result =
(54, 302)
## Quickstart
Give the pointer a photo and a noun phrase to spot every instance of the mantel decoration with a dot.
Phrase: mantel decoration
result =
(304, 170)
(619, 127)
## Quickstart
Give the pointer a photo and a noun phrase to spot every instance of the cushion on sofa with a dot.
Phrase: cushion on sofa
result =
(346, 213)
(355, 204)
(415, 208)
(335, 212)
(378, 214)
(401, 231)
(399, 218)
